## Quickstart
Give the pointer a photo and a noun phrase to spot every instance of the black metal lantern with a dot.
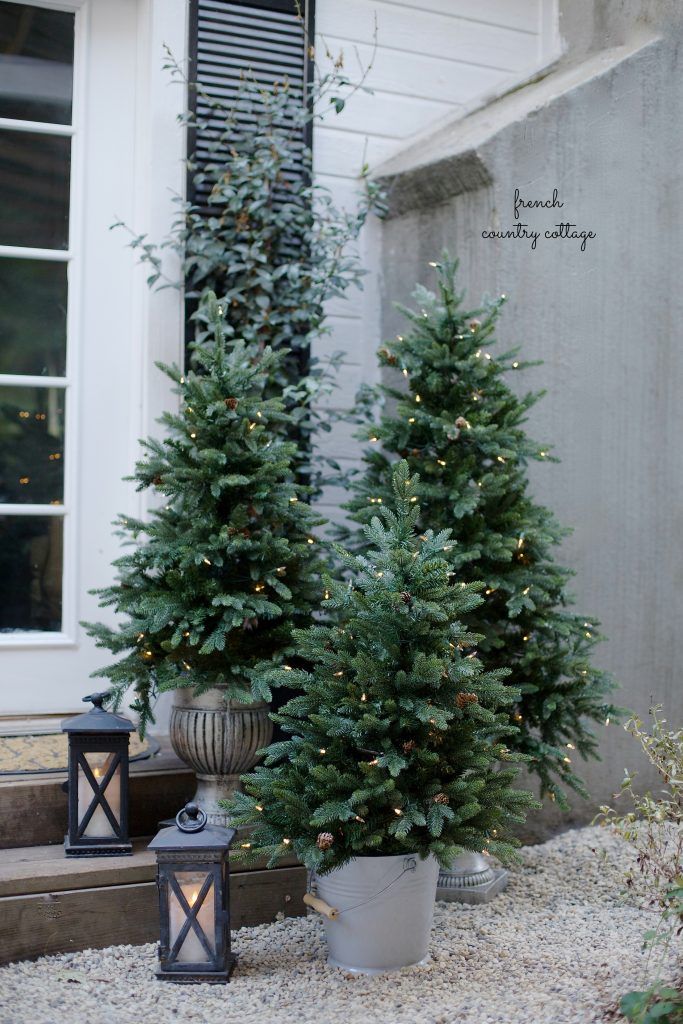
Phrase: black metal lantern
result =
(98, 782)
(193, 880)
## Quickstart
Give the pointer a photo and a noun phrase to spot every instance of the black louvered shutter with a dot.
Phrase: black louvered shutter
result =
(264, 37)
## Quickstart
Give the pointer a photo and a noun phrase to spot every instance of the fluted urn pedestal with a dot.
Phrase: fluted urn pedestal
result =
(471, 879)
(220, 740)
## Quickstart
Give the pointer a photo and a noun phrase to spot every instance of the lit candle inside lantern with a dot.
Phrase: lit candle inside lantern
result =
(99, 824)
(192, 951)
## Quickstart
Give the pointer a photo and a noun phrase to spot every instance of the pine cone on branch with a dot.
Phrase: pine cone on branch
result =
(324, 841)
(463, 699)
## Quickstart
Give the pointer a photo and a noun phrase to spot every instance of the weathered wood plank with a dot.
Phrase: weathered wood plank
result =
(33, 811)
(39, 924)
(42, 869)
(258, 896)
(36, 925)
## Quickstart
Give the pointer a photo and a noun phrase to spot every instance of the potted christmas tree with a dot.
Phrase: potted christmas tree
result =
(222, 571)
(394, 761)
(455, 415)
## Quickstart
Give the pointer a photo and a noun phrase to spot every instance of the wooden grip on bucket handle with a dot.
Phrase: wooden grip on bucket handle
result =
(323, 908)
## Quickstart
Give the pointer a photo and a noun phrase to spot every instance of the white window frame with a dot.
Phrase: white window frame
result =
(128, 164)
(68, 510)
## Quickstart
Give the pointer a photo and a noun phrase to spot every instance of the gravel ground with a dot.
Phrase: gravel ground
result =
(558, 947)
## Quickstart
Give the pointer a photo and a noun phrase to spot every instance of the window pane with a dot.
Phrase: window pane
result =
(33, 317)
(30, 573)
(34, 190)
(36, 63)
(192, 951)
(99, 824)
(32, 445)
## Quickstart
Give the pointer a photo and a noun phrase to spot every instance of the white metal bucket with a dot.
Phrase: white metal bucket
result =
(386, 906)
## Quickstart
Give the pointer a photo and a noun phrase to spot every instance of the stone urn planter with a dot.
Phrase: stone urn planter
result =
(377, 912)
(220, 740)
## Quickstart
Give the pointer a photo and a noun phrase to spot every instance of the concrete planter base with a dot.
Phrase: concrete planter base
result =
(471, 879)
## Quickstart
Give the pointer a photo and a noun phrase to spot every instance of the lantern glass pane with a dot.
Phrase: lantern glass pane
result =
(99, 825)
(192, 951)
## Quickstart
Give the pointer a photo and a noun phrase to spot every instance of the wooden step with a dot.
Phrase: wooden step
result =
(51, 904)
(33, 808)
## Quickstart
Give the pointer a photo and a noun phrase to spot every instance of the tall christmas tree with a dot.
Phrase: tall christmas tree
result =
(396, 736)
(457, 418)
(222, 572)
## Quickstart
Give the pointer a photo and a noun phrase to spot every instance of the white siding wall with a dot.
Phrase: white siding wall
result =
(434, 59)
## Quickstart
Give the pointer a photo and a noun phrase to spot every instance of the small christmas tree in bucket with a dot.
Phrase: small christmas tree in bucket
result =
(394, 760)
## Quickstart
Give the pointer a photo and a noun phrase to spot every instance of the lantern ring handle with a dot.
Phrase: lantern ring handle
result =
(191, 819)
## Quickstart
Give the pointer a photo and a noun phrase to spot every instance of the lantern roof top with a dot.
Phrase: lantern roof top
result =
(191, 832)
(97, 719)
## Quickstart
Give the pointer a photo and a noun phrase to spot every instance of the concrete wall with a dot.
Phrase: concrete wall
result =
(605, 131)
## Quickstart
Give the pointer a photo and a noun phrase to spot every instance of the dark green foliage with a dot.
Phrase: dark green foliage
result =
(268, 241)
(227, 566)
(660, 1004)
(395, 737)
(456, 418)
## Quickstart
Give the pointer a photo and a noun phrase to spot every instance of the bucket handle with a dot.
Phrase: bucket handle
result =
(333, 913)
